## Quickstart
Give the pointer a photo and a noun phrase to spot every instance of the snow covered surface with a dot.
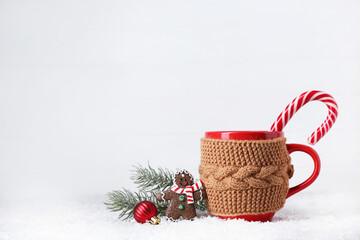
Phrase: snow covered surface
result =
(305, 216)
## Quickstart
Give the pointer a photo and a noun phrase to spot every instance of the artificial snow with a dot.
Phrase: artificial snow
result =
(308, 215)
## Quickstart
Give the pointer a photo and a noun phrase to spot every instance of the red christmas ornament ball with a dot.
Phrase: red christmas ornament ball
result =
(146, 211)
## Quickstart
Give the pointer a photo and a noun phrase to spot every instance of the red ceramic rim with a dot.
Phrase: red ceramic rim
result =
(244, 135)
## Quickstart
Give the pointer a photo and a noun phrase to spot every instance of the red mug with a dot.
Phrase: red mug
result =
(218, 149)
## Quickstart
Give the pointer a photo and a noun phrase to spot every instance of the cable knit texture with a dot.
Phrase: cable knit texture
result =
(244, 176)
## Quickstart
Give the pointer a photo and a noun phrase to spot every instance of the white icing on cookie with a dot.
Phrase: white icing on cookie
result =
(171, 219)
(163, 196)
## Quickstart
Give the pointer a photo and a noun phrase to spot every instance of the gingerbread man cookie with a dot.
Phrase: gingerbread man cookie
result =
(182, 195)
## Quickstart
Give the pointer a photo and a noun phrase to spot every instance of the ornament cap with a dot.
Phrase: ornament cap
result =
(155, 220)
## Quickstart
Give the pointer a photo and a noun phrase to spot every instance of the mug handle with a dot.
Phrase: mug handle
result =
(298, 147)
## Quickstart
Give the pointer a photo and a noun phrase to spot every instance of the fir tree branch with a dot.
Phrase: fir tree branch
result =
(151, 180)
(124, 201)
(200, 205)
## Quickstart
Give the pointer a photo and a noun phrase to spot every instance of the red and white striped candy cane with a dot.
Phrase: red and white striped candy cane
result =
(300, 101)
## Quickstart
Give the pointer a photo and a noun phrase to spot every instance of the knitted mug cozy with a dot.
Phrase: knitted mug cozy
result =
(245, 177)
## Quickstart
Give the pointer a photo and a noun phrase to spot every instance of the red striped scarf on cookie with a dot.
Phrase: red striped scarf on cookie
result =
(188, 190)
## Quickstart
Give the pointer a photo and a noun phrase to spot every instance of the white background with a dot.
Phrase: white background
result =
(89, 88)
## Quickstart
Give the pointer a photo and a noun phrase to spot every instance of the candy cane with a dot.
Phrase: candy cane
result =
(300, 101)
